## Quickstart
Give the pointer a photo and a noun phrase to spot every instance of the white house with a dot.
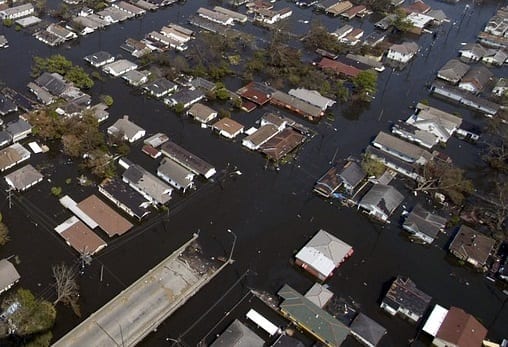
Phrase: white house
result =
(402, 53)
(17, 11)
(126, 129)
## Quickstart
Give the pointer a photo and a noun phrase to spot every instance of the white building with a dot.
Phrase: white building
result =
(402, 53)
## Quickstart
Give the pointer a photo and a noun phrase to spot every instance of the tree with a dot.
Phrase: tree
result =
(59, 64)
(107, 100)
(66, 285)
(56, 191)
(444, 177)
(28, 315)
(319, 37)
(379, 5)
(498, 199)
(179, 108)
(400, 22)
(372, 167)
(365, 84)
(496, 154)
(4, 234)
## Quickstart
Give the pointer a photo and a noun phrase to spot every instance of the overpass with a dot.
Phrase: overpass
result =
(145, 304)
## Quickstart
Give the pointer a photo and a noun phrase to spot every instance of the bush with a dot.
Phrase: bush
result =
(8, 22)
(56, 191)
(107, 99)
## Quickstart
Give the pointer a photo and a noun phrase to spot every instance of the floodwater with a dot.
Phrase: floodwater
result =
(272, 213)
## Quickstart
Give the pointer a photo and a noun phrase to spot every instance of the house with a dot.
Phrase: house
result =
(17, 11)
(3, 42)
(339, 68)
(476, 80)
(342, 32)
(185, 97)
(367, 331)
(353, 37)
(61, 32)
(312, 319)
(99, 112)
(187, 159)
(439, 17)
(401, 149)
(203, 84)
(151, 151)
(99, 59)
(319, 295)
(273, 119)
(417, 6)
(119, 67)
(175, 174)
(214, 16)
(338, 7)
(80, 237)
(136, 48)
(351, 176)
(411, 133)
(454, 327)
(465, 98)
(374, 38)
(146, 184)
(300, 107)
(5, 138)
(323, 254)
(53, 83)
(501, 87)
(23, 178)
(114, 15)
(355, 11)
(380, 201)
(160, 87)
(403, 52)
(453, 71)
(12, 155)
(136, 78)
(328, 184)
(405, 299)
(9, 276)
(472, 52)
(260, 136)
(439, 123)
(126, 198)
(419, 22)
(238, 335)
(7, 105)
(282, 144)
(228, 127)
(256, 92)
(156, 140)
(472, 247)
(269, 16)
(386, 22)
(423, 225)
(129, 8)
(237, 17)
(202, 113)
(177, 32)
(106, 218)
(496, 57)
(312, 97)
(126, 130)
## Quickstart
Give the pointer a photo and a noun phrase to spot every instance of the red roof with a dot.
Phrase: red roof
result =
(339, 68)
(461, 329)
(151, 151)
(418, 6)
(255, 92)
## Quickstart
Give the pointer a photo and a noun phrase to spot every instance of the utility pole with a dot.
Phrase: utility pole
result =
(9, 197)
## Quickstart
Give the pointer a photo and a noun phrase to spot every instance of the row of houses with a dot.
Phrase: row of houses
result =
(474, 52)
(495, 33)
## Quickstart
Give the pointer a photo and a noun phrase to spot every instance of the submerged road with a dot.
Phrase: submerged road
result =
(138, 310)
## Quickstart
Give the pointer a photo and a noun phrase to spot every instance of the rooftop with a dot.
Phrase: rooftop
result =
(461, 329)
(119, 192)
(324, 252)
(187, 159)
(367, 329)
(107, 219)
(282, 143)
(80, 237)
(470, 244)
(313, 319)
(403, 293)
(238, 335)
(23, 177)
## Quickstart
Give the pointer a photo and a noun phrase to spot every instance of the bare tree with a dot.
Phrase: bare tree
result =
(67, 288)
(446, 178)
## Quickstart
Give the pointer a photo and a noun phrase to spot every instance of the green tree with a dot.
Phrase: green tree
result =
(365, 84)
(8, 22)
(372, 167)
(4, 234)
(107, 100)
(56, 191)
(400, 22)
(40, 340)
(179, 108)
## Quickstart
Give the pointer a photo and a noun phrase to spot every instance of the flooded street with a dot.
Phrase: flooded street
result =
(273, 213)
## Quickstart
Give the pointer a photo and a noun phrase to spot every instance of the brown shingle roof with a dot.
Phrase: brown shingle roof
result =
(461, 329)
(338, 67)
(109, 221)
